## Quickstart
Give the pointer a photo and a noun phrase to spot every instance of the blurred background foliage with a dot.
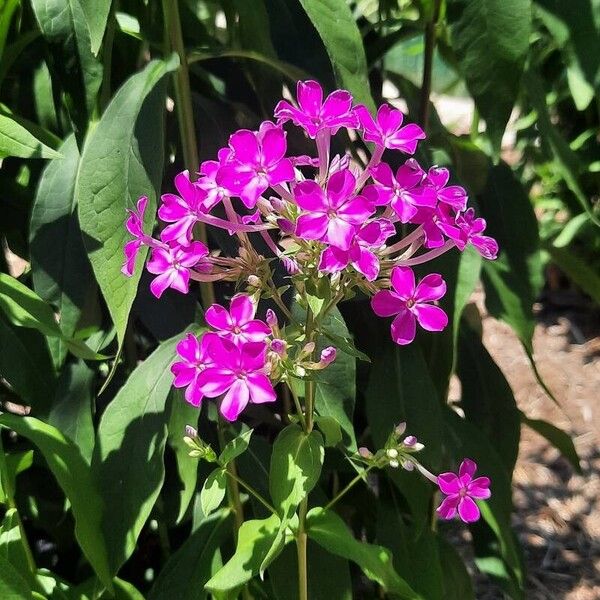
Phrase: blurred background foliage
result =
(76, 151)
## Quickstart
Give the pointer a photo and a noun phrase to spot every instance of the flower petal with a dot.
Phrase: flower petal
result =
(467, 467)
(431, 287)
(403, 282)
(242, 309)
(479, 488)
(339, 233)
(235, 400)
(261, 389)
(447, 509)
(245, 146)
(449, 483)
(310, 97)
(218, 317)
(215, 381)
(312, 227)
(386, 304)
(468, 510)
(404, 328)
(431, 318)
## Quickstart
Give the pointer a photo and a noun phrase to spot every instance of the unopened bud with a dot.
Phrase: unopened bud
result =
(190, 432)
(254, 281)
(271, 318)
(392, 453)
(365, 452)
(394, 463)
(308, 349)
(285, 225)
(407, 465)
(278, 346)
(328, 355)
(410, 440)
(400, 429)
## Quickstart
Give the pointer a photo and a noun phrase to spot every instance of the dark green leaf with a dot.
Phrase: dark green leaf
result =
(128, 456)
(63, 25)
(213, 491)
(96, 15)
(12, 584)
(60, 268)
(295, 467)
(456, 578)
(74, 477)
(335, 24)
(330, 429)
(255, 538)
(557, 437)
(17, 140)
(491, 40)
(122, 160)
(236, 446)
(328, 530)
(512, 281)
(189, 568)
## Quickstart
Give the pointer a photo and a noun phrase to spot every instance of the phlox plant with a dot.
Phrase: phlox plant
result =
(338, 228)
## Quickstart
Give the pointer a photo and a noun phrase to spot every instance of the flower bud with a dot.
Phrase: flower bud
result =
(328, 356)
(190, 432)
(254, 281)
(279, 347)
(285, 225)
(407, 465)
(410, 440)
(400, 429)
(394, 463)
(365, 452)
(271, 318)
(392, 453)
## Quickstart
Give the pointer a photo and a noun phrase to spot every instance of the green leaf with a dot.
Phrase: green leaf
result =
(61, 271)
(491, 41)
(328, 530)
(236, 446)
(512, 281)
(255, 538)
(328, 579)
(296, 464)
(122, 160)
(17, 140)
(182, 414)
(11, 544)
(6, 14)
(63, 25)
(25, 308)
(331, 429)
(487, 398)
(189, 568)
(213, 491)
(576, 269)
(74, 477)
(456, 578)
(28, 366)
(128, 456)
(96, 15)
(401, 390)
(71, 411)
(560, 439)
(12, 584)
(337, 28)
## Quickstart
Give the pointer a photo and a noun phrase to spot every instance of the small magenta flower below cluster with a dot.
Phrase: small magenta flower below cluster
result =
(334, 226)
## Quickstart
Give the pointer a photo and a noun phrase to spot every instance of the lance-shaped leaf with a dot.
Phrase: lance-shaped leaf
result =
(327, 529)
(12, 584)
(63, 25)
(61, 270)
(96, 15)
(75, 478)
(213, 491)
(128, 456)
(17, 140)
(337, 27)
(491, 41)
(122, 160)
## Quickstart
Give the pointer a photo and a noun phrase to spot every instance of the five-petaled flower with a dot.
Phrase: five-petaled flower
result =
(411, 303)
(238, 323)
(195, 358)
(461, 492)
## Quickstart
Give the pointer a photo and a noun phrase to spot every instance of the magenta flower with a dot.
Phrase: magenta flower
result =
(239, 373)
(331, 216)
(411, 304)
(360, 254)
(258, 162)
(452, 195)
(135, 226)
(461, 492)
(238, 323)
(466, 229)
(172, 265)
(314, 115)
(195, 359)
(403, 191)
(386, 130)
(208, 179)
(182, 211)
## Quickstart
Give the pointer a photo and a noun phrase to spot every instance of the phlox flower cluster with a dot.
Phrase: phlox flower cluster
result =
(332, 223)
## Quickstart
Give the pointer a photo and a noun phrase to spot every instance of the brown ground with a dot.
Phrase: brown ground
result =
(557, 512)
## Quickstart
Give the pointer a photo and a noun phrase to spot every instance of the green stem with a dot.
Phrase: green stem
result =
(360, 477)
(9, 493)
(430, 39)
(185, 115)
(252, 491)
(233, 490)
(298, 406)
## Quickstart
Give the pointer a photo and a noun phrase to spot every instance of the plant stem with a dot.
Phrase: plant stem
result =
(430, 38)
(185, 115)
(252, 491)
(339, 495)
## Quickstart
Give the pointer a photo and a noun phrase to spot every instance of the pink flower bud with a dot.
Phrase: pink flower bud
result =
(410, 441)
(271, 318)
(254, 281)
(365, 452)
(278, 346)
(285, 225)
(400, 429)
(328, 355)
